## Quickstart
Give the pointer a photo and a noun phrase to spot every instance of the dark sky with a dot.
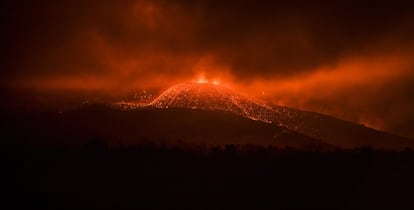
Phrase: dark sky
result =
(350, 59)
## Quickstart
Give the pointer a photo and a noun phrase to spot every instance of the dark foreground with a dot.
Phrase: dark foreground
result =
(196, 177)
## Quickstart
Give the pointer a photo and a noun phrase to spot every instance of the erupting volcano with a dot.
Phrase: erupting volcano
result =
(215, 97)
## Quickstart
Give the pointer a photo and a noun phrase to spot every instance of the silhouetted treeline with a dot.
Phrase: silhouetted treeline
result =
(190, 176)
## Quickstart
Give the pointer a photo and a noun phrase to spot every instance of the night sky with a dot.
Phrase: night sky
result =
(350, 59)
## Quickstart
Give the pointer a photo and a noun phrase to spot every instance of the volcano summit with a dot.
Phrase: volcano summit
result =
(212, 97)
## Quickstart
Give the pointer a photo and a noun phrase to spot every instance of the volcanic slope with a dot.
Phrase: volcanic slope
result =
(326, 128)
(211, 97)
(176, 126)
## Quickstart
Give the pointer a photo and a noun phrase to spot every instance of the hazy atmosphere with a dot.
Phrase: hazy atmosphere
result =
(349, 59)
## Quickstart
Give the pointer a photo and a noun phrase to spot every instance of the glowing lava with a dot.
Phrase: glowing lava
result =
(209, 96)
(202, 80)
(204, 95)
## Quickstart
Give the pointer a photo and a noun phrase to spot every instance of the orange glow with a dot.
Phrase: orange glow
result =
(347, 90)
(215, 82)
(202, 80)
(338, 88)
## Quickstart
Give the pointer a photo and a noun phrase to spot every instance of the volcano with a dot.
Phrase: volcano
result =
(212, 97)
(205, 96)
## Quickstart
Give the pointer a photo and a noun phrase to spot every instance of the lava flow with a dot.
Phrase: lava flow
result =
(210, 96)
